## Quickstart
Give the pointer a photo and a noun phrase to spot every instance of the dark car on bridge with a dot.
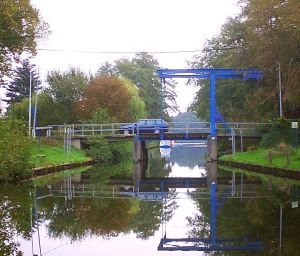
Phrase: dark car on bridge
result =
(145, 126)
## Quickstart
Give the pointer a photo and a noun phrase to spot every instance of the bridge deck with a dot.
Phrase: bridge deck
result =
(166, 136)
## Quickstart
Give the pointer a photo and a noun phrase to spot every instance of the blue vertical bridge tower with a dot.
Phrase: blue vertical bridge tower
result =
(213, 74)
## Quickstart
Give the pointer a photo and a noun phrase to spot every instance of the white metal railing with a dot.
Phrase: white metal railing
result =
(174, 127)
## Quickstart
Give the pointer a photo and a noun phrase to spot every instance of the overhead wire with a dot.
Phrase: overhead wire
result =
(134, 52)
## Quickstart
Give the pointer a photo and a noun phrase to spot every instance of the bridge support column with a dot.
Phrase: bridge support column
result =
(139, 151)
(212, 148)
(76, 143)
(137, 175)
(211, 160)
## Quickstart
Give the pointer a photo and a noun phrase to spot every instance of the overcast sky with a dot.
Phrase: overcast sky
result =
(81, 29)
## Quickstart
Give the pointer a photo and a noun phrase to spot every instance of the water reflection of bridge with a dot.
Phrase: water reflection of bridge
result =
(156, 189)
(178, 182)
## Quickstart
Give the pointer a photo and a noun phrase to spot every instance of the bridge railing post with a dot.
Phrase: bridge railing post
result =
(241, 138)
(233, 140)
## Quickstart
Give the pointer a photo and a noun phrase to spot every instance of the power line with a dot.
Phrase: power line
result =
(134, 52)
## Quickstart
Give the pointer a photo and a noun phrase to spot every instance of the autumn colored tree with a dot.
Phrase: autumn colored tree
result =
(20, 29)
(159, 97)
(105, 92)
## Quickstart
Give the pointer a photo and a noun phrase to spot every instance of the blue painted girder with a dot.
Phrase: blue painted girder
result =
(205, 73)
(213, 74)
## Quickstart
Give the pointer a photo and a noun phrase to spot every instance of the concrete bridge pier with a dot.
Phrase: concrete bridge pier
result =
(76, 143)
(212, 148)
(211, 160)
(140, 152)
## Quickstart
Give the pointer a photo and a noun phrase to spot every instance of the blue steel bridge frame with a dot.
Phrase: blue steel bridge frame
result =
(213, 74)
(212, 244)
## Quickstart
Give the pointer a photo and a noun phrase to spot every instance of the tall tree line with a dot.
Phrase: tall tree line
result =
(265, 35)
(123, 91)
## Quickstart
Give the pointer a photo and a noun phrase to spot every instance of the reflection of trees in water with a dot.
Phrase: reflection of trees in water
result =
(103, 217)
(79, 218)
(148, 218)
(15, 214)
(87, 217)
(188, 156)
(256, 218)
(100, 173)
(157, 166)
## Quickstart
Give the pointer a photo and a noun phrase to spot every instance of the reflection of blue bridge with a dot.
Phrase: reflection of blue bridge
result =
(213, 243)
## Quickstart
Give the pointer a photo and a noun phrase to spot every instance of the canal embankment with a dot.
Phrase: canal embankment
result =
(48, 158)
(278, 162)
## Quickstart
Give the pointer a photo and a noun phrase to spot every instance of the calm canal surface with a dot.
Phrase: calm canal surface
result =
(107, 210)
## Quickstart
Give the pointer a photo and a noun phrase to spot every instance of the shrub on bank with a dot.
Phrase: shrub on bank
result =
(103, 151)
(280, 132)
(15, 150)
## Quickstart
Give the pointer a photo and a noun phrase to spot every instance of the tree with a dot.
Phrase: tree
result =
(14, 150)
(47, 113)
(141, 70)
(264, 35)
(136, 104)
(66, 89)
(105, 92)
(21, 28)
(25, 77)
(273, 36)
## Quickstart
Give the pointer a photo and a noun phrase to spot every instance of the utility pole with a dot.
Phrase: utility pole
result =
(280, 89)
(29, 107)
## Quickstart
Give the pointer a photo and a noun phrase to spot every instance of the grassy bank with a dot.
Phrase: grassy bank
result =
(53, 153)
(268, 157)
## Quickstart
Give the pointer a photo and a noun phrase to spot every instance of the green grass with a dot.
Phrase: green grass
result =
(261, 157)
(46, 154)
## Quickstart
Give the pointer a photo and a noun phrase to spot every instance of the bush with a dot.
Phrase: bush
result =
(280, 131)
(15, 150)
(99, 150)
(103, 151)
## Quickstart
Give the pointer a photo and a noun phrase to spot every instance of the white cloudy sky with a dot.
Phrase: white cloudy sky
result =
(81, 29)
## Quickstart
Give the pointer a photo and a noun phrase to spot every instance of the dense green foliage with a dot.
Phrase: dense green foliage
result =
(158, 97)
(20, 29)
(280, 132)
(65, 90)
(137, 108)
(265, 35)
(104, 151)
(14, 150)
(72, 97)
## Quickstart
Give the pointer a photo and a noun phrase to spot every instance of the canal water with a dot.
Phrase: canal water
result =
(167, 206)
